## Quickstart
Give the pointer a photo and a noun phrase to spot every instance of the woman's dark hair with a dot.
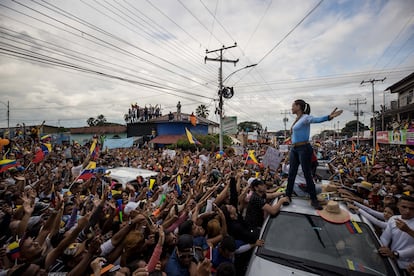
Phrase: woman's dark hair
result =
(304, 106)
(393, 207)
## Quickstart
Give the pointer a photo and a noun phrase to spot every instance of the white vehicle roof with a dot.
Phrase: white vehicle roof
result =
(261, 266)
(126, 174)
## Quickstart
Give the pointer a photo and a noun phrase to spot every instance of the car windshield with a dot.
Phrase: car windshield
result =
(308, 241)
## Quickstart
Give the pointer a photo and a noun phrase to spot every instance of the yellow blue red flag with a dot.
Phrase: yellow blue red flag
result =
(191, 138)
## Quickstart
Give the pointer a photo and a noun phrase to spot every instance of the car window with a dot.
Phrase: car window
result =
(312, 241)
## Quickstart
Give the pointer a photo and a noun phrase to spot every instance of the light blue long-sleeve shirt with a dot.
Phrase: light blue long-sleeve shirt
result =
(301, 130)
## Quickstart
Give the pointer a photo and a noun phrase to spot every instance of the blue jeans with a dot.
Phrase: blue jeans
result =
(301, 155)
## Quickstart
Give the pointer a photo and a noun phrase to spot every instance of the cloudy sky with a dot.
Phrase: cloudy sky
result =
(65, 61)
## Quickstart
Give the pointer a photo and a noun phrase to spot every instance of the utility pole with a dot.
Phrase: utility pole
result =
(374, 130)
(8, 116)
(285, 118)
(358, 102)
(338, 131)
(220, 80)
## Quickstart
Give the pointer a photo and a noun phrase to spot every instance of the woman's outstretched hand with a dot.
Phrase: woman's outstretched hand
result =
(335, 113)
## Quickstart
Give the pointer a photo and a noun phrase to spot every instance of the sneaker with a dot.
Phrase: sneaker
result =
(286, 203)
(315, 204)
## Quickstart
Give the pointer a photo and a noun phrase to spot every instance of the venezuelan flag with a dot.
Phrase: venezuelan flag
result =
(93, 146)
(178, 185)
(46, 137)
(88, 172)
(6, 164)
(39, 156)
(409, 153)
(91, 165)
(191, 138)
(46, 148)
(13, 249)
(95, 153)
(251, 159)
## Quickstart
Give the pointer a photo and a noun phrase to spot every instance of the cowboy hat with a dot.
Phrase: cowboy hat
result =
(333, 213)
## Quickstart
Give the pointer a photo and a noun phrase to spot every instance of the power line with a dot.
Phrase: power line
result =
(258, 24)
(291, 31)
(57, 62)
(216, 20)
(112, 45)
(125, 17)
(198, 20)
(160, 28)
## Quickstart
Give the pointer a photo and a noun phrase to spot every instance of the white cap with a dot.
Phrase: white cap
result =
(250, 180)
(130, 207)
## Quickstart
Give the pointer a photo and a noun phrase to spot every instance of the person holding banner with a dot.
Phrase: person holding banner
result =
(301, 150)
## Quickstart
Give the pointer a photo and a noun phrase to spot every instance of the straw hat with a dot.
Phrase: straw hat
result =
(333, 213)
(364, 185)
(19, 178)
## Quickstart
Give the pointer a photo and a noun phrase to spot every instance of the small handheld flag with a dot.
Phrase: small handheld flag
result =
(152, 182)
(191, 138)
(6, 164)
(178, 185)
(251, 159)
(13, 249)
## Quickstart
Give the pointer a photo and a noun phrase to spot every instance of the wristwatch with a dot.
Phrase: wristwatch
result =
(396, 254)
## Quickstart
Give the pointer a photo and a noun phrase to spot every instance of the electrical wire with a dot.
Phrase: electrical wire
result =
(291, 31)
(112, 45)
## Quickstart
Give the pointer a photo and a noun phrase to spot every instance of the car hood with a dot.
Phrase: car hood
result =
(260, 266)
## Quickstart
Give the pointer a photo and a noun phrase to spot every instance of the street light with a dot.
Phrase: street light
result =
(221, 92)
(245, 67)
(8, 116)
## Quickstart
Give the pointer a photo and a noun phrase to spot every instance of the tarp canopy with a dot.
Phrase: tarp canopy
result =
(118, 143)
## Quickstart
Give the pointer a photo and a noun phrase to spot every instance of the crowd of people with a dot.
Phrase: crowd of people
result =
(200, 215)
(138, 113)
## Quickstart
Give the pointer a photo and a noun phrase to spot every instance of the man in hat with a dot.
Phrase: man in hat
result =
(182, 258)
(258, 206)
(398, 236)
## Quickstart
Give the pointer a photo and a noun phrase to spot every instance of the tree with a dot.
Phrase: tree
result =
(202, 111)
(98, 121)
(91, 121)
(249, 126)
(351, 127)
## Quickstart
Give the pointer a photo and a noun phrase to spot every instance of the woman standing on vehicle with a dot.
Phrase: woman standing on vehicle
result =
(301, 150)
